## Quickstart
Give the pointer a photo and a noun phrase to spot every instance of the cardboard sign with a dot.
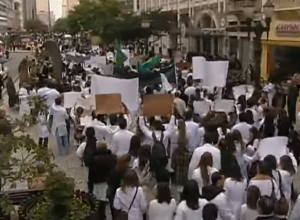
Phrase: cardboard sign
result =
(108, 104)
(158, 105)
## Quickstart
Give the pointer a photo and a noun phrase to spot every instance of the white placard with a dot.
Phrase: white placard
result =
(276, 146)
(201, 107)
(239, 90)
(224, 105)
(84, 121)
(216, 73)
(70, 99)
(107, 69)
(199, 67)
(128, 88)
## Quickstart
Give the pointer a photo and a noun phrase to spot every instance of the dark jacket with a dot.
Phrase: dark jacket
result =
(101, 164)
(114, 182)
(211, 192)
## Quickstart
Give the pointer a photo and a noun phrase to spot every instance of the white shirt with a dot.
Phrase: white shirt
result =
(194, 140)
(121, 142)
(42, 91)
(248, 214)
(50, 97)
(198, 177)
(235, 192)
(167, 133)
(224, 210)
(161, 211)
(183, 212)
(286, 183)
(191, 90)
(174, 140)
(198, 153)
(244, 129)
(60, 116)
(123, 200)
(265, 187)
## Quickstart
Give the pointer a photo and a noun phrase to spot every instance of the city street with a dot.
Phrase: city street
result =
(13, 63)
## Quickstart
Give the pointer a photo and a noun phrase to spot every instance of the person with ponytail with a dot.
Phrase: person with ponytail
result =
(203, 173)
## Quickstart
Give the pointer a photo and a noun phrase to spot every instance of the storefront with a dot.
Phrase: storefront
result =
(283, 44)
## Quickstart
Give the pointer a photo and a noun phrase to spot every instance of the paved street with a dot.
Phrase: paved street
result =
(13, 63)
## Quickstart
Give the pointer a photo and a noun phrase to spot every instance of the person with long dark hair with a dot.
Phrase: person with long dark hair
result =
(191, 204)
(249, 210)
(164, 206)
(234, 187)
(85, 152)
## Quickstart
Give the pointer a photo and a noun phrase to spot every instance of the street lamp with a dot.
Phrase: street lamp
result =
(258, 29)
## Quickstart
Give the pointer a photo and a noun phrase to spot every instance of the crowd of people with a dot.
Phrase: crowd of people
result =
(182, 166)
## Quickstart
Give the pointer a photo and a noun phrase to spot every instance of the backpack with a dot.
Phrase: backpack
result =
(158, 150)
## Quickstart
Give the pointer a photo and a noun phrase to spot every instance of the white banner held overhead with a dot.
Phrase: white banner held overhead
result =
(212, 73)
(128, 88)
(199, 67)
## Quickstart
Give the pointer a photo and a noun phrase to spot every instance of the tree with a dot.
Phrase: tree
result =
(107, 20)
(60, 25)
(35, 25)
(92, 16)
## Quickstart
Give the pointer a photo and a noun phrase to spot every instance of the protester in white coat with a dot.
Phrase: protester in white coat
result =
(24, 101)
(59, 127)
(164, 206)
(43, 130)
(249, 209)
(234, 187)
(191, 205)
(130, 197)
(215, 194)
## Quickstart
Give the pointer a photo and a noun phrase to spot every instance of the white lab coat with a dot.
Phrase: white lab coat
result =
(24, 105)
(59, 120)
(42, 126)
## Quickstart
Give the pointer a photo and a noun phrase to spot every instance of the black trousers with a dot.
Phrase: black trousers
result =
(102, 210)
(43, 142)
(291, 108)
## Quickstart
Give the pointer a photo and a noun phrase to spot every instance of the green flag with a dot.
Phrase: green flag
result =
(150, 64)
(120, 57)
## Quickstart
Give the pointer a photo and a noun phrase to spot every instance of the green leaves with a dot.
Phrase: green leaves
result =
(35, 25)
(107, 20)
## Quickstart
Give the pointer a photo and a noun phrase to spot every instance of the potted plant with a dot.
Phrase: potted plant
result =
(19, 155)
(59, 202)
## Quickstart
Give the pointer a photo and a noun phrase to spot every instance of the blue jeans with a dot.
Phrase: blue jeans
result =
(62, 143)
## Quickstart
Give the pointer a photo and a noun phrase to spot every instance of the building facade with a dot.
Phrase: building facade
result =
(6, 14)
(48, 18)
(29, 10)
(68, 5)
(200, 26)
(42, 5)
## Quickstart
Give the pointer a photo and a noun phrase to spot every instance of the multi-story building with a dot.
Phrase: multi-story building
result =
(17, 23)
(6, 14)
(29, 10)
(282, 43)
(42, 5)
(48, 18)
(68, 5)
(200, 27)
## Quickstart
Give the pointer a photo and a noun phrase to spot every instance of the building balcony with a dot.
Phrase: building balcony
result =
(236, 6)
(282, 5)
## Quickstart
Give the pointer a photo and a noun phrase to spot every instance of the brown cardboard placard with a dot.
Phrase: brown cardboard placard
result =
(158, 105)
(108, 104)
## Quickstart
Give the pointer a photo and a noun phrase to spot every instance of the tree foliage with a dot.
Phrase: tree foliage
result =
(107, 20)
(60, 25)
(19, 153)
(35, 25)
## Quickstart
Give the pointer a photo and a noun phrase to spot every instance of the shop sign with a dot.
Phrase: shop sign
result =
(288, 28)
